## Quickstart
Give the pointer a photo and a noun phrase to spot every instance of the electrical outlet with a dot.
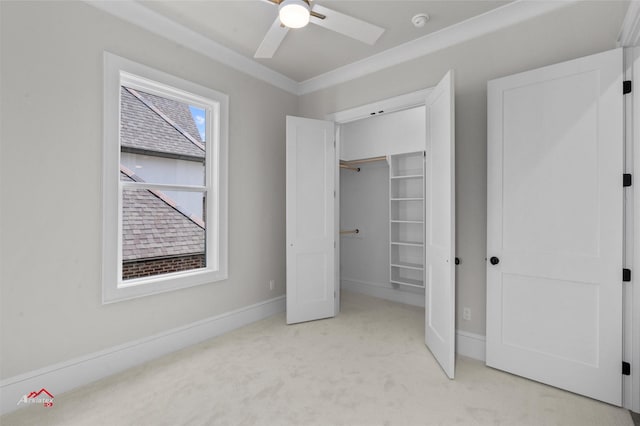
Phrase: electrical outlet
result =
(272, 284)
(466, 314)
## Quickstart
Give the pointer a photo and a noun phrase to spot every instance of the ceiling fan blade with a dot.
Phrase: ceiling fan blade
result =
(347, 25)
(272, 40)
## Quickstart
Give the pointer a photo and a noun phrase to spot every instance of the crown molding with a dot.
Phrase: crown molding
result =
(143, 17)
(630, 32)
(493, 20)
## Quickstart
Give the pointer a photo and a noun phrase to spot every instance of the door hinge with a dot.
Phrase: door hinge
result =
(626, 369)
(334, 244)
(626, 179)
(626, 275)
(334, 193)
(626, 87)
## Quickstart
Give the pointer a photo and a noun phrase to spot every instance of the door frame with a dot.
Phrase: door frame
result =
(393, 104)
(631, 291)
(388, 105)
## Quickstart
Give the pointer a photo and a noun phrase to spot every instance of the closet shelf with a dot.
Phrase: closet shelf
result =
(406, 219)
(407, 243)
(409, 282)
(414, 266)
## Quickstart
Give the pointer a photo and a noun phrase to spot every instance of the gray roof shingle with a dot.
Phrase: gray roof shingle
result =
(154, 227)
(143, 128)
(178, 112)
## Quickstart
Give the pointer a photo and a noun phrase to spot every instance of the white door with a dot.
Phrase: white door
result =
(440, 291)
(310, 181)
(554, 231)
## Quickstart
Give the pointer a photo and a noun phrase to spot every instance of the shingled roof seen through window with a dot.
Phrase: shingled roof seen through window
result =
(153, 228)
(155, 124)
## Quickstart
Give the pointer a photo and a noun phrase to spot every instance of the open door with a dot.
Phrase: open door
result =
(440, 290)
(555, 225)
(310, 180)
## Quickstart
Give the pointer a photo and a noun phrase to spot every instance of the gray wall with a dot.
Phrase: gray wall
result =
(364, 204)
(577, 30)
(51, 156)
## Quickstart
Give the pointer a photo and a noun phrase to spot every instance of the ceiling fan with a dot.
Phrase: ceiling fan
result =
(298, 13)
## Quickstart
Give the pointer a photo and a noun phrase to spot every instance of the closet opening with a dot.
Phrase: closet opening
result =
(382, 206)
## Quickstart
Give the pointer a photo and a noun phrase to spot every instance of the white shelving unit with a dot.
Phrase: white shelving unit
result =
(406, 218)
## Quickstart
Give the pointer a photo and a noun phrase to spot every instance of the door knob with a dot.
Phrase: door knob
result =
(494, 260)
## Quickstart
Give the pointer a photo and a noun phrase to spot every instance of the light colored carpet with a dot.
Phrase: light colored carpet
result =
(368, 366)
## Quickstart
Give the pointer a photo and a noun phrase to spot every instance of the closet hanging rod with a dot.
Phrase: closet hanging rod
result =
(346, 166)
(353, 231)
(365, 160)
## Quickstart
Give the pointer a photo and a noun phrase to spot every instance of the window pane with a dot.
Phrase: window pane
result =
(161, 140)
(159, 236)
(200, 119)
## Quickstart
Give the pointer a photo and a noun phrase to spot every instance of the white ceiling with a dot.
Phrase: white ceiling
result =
(230, 31)
(312, 51)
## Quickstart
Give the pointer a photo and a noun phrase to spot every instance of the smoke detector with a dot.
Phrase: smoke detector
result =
(420, 20)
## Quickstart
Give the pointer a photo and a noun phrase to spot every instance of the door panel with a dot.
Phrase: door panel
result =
(555, 158)
(535, 117)
(440, 225)
(310, 182)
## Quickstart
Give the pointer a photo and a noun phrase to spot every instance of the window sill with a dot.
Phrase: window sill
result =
(141, 287)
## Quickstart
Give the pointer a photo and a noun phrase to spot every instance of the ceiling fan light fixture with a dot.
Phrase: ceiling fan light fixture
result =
(294, 13)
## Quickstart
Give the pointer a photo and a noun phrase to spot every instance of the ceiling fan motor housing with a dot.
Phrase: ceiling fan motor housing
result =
(294, 13)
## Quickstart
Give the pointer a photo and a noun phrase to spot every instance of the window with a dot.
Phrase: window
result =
(164, 183)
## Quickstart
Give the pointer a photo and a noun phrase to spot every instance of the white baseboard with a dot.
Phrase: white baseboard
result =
(470, 345)
(80, 371)
(407, 295)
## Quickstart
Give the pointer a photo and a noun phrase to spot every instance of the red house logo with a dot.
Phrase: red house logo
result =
(43, 396)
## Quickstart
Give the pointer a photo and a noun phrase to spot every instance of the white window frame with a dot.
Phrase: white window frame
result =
(120, 71)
